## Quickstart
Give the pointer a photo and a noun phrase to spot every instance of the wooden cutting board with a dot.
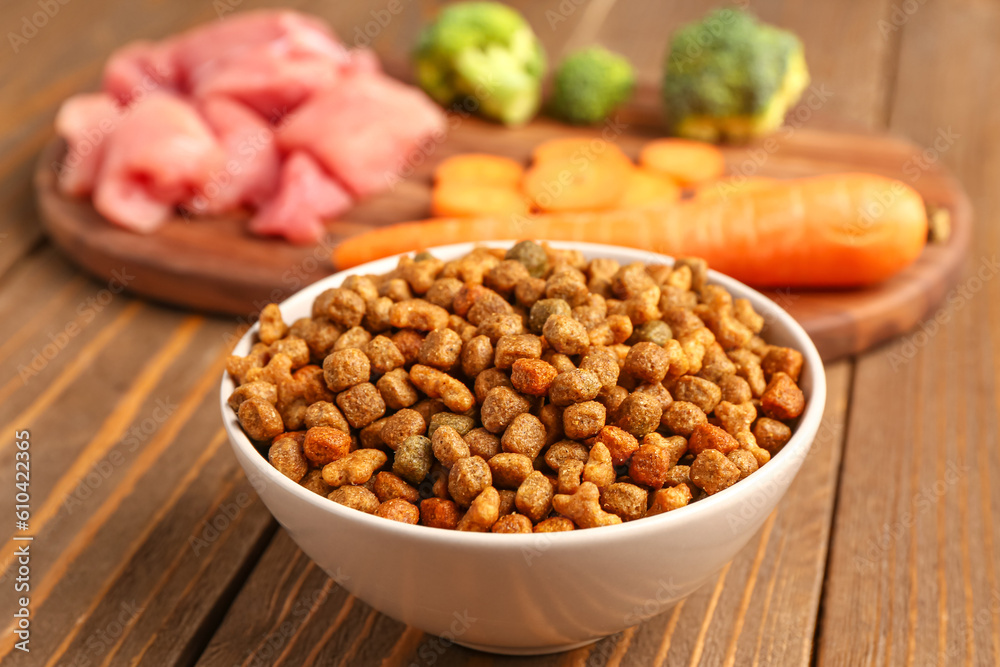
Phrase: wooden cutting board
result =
(214, 265)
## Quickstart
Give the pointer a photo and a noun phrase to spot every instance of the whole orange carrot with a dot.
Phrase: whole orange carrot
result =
(825, 231)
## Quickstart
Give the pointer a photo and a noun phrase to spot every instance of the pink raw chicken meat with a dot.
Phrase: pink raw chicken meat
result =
(363, 130)
(252, 164)
(307, 195)
(85, 122)
(160, 154)
(138, 68)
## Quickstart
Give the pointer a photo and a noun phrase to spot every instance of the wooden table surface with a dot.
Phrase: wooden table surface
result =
(150, 547)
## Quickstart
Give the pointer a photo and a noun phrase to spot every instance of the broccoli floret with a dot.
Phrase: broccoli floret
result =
(590, 84)
(732, 77)
(485, 57)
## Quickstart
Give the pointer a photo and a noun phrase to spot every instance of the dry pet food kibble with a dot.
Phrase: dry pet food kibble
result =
(519, 392)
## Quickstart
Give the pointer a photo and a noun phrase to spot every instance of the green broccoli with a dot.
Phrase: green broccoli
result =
(485, 57)
(732, 77)
(590, 84)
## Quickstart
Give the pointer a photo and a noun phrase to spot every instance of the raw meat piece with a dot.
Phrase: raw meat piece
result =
(85, 122)
(160, 154)
(364, 129)
(137, 69)
(307, 195)
(252, 164)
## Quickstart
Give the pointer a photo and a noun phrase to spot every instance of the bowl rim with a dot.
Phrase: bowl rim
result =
(797, 447)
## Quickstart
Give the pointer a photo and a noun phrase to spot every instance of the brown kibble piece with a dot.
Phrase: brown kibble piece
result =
(482, 443)
(413, 459)
(639, 414)
(534, 496)
(401, 425)
(440, 349)
(570, 476)
(439, 513)
(272, 326)
(313, 480)
(669, 499)
(400, 510)
(325, 444)
(477, 355)
(483, 512)
(699, 391)
(361, 404)
(712, 471)
(448, 446)
(437, 384)
(584, 507)
(396, 389)
(678, 475)
(556, 524)
(260, 419)
(532, 376)
(418, 314)
(525, 435)
(647, 361)
(325, 413)
(519, 346)
(509, 470)
(708, 436)
(783, 360)
(467, 479)
(627, 501)
(355, 497)
(346, 368)
(745, 461)
(383, 355)
(782, 399)
(388, 485)
(341, 306)
(500, 408)
(357, 467)
(259, 389)
(735, 418)
(287, 457)
(565, 450)
(735, 389)
(512, 523)
(566, 335)
(599, 469)
(682, 418)
(575, 386)
(771, 434)
(583, 420)
(620, 443)
(649, 465)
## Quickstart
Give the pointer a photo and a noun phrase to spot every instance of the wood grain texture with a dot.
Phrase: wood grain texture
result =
(914, 566)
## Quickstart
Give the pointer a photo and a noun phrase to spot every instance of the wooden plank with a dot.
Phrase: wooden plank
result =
(914, 562)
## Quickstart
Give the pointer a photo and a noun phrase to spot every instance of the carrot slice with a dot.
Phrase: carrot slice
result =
(571, 184)
(649, 188)
(687, 162)
(464, 199)
(835, 230)
(481, 169)
(578, 149)
(724, 188)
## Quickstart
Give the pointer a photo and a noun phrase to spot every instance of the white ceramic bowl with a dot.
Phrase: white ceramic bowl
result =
(538, 593)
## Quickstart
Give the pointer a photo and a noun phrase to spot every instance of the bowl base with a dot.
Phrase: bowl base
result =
(530, 650)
